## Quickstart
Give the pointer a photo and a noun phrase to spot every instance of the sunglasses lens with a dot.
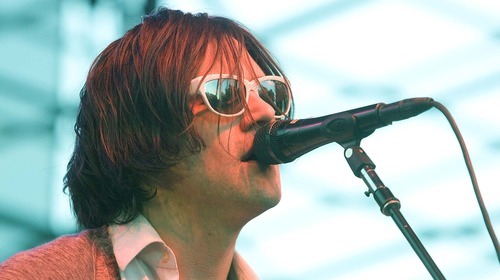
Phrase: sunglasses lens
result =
(276, 94)
(224, 96)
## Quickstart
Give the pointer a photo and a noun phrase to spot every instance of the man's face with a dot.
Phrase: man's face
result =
(219, 175)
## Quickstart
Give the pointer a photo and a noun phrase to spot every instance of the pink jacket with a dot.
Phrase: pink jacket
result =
(86, 255)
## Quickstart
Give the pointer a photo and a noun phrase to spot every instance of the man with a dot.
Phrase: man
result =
(161, 179)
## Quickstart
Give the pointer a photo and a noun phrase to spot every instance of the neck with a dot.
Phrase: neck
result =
(202, 240)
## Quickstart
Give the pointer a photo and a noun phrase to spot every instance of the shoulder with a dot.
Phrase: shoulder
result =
(67, 257)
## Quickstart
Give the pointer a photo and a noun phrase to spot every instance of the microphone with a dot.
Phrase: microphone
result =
(285, 140)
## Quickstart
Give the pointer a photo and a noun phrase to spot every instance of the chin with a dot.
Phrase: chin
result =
(273, 201)
(270, 195)
(264, 185)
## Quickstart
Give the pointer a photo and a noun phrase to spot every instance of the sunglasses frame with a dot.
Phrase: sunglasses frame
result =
(199, 82)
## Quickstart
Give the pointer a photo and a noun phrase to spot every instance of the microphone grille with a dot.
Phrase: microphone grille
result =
(266, 145)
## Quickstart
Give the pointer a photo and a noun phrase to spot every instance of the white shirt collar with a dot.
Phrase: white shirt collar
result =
(131, 239)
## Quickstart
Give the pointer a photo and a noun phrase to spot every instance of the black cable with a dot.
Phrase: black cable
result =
(472, 175)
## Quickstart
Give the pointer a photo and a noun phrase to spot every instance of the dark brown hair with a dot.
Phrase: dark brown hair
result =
(134, 118)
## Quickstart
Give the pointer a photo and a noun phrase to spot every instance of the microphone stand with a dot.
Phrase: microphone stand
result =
(364, 168)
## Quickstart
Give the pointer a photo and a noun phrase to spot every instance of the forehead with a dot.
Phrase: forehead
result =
(221, 58)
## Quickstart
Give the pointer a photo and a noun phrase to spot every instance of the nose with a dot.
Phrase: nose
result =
(258, 111)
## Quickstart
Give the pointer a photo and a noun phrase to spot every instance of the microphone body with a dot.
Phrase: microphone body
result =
(285, 140)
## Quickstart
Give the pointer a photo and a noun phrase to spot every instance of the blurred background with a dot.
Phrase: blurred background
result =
(338, 55)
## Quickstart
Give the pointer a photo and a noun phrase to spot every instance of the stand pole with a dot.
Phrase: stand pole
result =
(364, 168)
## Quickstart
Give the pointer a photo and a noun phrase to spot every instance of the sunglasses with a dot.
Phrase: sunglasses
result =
(221, 93)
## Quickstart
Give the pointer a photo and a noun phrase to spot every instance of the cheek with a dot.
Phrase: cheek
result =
(211, 128)
(223, 138)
